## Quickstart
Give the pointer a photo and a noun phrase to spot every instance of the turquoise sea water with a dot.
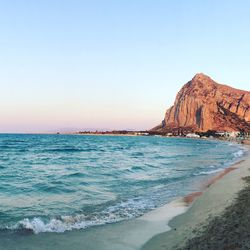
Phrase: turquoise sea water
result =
(57, 183)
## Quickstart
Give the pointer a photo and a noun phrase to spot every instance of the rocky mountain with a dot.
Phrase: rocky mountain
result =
(202, 105)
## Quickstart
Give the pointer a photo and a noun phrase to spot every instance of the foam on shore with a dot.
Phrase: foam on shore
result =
(125, 235)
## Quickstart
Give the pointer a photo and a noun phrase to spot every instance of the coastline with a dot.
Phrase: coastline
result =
(123, 235)
(221, 192)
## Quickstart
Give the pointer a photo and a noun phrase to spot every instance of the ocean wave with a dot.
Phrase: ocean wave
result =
(59, 225)
(64, 223)
(136, 168)
(211, 166)
(124, 210)
(72, 175)
(239, 153)
(209, 172)
(69, 150)
(38, 225)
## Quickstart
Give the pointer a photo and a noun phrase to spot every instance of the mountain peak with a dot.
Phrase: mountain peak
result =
(202, 105)
(201, 77)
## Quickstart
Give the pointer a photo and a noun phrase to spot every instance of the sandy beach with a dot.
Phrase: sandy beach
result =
(207, 222)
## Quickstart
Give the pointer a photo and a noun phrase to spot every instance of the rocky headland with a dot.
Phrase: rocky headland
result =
(204, 105)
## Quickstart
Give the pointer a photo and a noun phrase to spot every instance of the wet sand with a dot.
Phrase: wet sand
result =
(214, 220)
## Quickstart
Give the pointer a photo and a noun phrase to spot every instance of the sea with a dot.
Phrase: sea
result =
(54, 184)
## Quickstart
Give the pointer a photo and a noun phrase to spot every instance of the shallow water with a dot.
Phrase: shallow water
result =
(57, 183)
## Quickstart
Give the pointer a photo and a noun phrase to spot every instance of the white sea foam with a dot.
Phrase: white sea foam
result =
(124, 210)
(209, 172)
(238, 153)
(65, 223)
(212, 166)
(37, 225)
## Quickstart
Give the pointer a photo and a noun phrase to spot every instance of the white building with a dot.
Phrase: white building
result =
(233, 134)
(192, 135)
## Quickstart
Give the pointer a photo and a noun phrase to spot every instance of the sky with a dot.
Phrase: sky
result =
(113, 64)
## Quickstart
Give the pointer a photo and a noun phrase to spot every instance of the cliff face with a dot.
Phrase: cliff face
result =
(202, 105)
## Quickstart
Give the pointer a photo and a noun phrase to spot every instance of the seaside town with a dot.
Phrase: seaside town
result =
(232, 135)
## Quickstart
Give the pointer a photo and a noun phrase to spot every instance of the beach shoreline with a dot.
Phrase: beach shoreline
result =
(219, 193)
(124, 235)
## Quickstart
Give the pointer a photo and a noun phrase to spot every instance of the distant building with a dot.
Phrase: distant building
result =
(233, 134)
(192, 135)
(142, 133)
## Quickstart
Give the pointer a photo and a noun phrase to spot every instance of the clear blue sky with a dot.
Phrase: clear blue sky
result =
(113, 64)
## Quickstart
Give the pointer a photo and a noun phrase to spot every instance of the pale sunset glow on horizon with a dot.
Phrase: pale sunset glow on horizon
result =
(113, 64)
